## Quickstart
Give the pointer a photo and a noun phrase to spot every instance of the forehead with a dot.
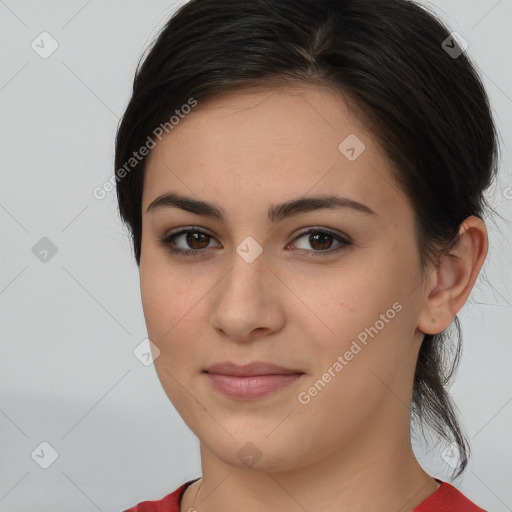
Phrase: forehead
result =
(284, 115)
(271, 145)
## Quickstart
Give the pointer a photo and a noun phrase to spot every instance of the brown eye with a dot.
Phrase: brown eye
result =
(197, 239)
(194, 241)
(321, 241)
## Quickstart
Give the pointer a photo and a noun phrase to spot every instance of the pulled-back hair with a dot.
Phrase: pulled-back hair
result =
(396, 63)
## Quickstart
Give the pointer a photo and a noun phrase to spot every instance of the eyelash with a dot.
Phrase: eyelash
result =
(166, 242)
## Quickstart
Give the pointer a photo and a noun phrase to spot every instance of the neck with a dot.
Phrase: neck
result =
(383, 475)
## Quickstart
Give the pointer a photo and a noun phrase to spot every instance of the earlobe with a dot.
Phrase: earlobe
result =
(450, 284)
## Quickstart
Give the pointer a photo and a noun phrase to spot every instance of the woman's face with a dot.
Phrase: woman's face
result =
(281, 289)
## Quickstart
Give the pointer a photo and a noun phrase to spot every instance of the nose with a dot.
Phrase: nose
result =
(249, 300)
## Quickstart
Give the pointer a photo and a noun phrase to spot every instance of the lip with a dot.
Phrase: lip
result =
(250, 370)
(252, 381)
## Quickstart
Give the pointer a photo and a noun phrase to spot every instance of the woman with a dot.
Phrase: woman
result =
(303, 181)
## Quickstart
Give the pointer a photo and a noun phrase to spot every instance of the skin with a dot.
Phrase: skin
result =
(246, 151)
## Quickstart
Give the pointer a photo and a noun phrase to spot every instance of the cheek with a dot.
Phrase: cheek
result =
(164, 290)
(367, 340)
(172, 326)
(348, 311)
(160, 302)
(352, 382)
(173, 314)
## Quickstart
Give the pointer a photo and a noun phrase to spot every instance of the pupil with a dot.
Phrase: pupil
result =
(193, 238)
(321, 235)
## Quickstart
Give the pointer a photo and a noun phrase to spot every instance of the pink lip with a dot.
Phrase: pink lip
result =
(250, 381)
(251, 369)
(252, 387)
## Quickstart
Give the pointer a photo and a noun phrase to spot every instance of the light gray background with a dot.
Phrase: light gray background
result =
(69, 326)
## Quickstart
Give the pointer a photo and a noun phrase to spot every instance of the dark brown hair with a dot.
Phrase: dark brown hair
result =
(398, 64)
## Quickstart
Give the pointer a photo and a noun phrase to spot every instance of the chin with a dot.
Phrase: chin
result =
(257, 452)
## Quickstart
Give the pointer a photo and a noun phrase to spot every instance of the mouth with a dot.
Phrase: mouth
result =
(250, 370)
(252, 381)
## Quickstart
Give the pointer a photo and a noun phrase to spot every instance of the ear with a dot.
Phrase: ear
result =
(449, 285)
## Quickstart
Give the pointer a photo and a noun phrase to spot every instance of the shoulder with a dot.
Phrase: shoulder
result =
(448, 498)
(169, 503)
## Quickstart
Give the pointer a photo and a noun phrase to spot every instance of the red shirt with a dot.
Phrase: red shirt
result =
(446, 499)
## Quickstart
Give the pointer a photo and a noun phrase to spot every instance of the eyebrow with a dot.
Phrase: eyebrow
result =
(275, 214)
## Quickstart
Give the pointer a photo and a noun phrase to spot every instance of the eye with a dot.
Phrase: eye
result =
(322, 239)
(319, 238)
(195, 237)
